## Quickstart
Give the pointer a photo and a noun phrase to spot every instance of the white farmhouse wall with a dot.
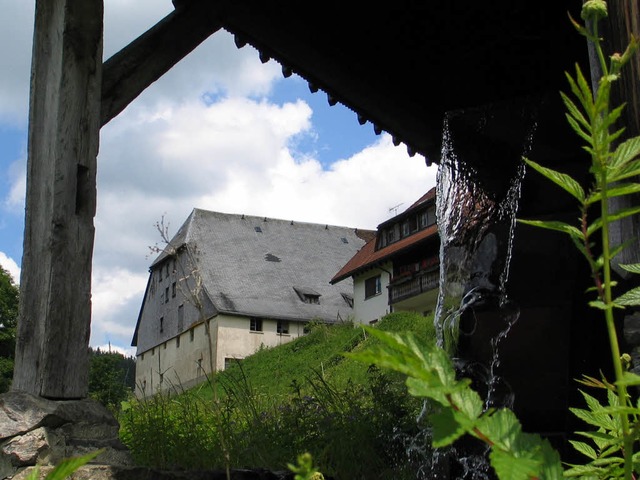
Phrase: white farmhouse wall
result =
(184, 360)
(366, 310)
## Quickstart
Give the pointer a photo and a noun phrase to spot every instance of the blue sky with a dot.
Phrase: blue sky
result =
(220, 131)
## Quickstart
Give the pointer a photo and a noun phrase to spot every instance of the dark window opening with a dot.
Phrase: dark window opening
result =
(283, 327)
(372, 286)
(255, 324)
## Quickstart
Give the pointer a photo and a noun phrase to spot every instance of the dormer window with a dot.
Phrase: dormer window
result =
(308, 295)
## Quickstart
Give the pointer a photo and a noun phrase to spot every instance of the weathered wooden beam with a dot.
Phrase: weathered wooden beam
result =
(146, 59)
(64, 123)
(622, 23)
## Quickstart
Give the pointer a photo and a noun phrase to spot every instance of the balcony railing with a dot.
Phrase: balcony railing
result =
(410, 287)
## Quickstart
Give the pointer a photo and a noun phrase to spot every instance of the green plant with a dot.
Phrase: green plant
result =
(65, 468)
(515, 454)
(302, 396)
(305, 470)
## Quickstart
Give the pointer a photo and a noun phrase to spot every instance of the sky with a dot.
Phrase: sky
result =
(220, 131)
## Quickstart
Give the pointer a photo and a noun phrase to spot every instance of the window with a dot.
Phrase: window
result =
(167, 269)
(180, 318)
(191, 335)
(166, 295)
(372, 286)
(228, 361)
(160, 274)
(255, 324)
(173, 289)
(406, 229)
(308, 295)
(178, 341)
(161, 378)
(283, 327)
(161, 324)
(428, 217)
(142, 357)
(153, 351)
(314, 299)
(391, 236)
(199, 370)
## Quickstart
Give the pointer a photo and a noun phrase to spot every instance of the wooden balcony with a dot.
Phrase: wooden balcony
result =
(416, 284)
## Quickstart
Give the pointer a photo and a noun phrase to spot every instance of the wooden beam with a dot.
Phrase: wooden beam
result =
(64, 124)
(129, 72)
(622, 23)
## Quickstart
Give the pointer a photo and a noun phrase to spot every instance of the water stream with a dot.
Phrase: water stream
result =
(478, 189)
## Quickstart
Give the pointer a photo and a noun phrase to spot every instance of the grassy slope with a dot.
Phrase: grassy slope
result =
(273, 371)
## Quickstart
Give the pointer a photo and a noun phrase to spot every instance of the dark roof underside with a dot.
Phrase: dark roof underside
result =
(405, 64)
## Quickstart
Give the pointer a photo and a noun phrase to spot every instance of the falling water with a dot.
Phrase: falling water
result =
(478, 189)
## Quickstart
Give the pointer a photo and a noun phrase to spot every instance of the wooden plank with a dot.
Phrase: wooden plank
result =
(64, 125)
(146, 59)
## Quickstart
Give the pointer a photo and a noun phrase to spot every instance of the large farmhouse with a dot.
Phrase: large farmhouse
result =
(399, 269)
(227, 285)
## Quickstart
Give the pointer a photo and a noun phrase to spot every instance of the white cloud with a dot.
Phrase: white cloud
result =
(10, 265)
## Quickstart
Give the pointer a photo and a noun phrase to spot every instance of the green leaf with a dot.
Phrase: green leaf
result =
(575, 112)
(576, 128)
(631, 267)
(444, 428)
(631, 169)
(584, 448)
(508, 466)
(625, 153)
(69, 465)
(623, 189)
(599, 304)
(502, 428)
(632, 297)
(554, 225)
(561, 179)
(623, 213)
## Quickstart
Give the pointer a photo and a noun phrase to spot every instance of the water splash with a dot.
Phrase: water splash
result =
(478, 190)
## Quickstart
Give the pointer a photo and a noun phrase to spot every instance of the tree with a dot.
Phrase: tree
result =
(111, 378)
(9, 297)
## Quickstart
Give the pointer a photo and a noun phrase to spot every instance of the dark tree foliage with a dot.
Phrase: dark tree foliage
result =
(9, 296)
(111, 377)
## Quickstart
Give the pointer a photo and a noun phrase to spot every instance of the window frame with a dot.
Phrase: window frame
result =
(372, 286)
(256, 325)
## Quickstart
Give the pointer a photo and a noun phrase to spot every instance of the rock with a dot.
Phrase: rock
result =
(38, 431)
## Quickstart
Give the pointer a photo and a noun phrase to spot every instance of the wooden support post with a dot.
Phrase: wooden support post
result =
(623, 22)
(64, 125)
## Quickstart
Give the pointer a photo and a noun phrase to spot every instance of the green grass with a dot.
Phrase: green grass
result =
(301, 397)
(274, 371)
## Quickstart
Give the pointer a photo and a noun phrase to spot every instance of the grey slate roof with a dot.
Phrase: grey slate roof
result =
(256, 266)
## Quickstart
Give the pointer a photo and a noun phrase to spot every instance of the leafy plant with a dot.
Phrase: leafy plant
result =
(430, 374)
(305, 470)
(65, 468)
(613, 170)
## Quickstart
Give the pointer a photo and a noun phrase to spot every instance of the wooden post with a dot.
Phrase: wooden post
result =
(64, 125)
(623, 22)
